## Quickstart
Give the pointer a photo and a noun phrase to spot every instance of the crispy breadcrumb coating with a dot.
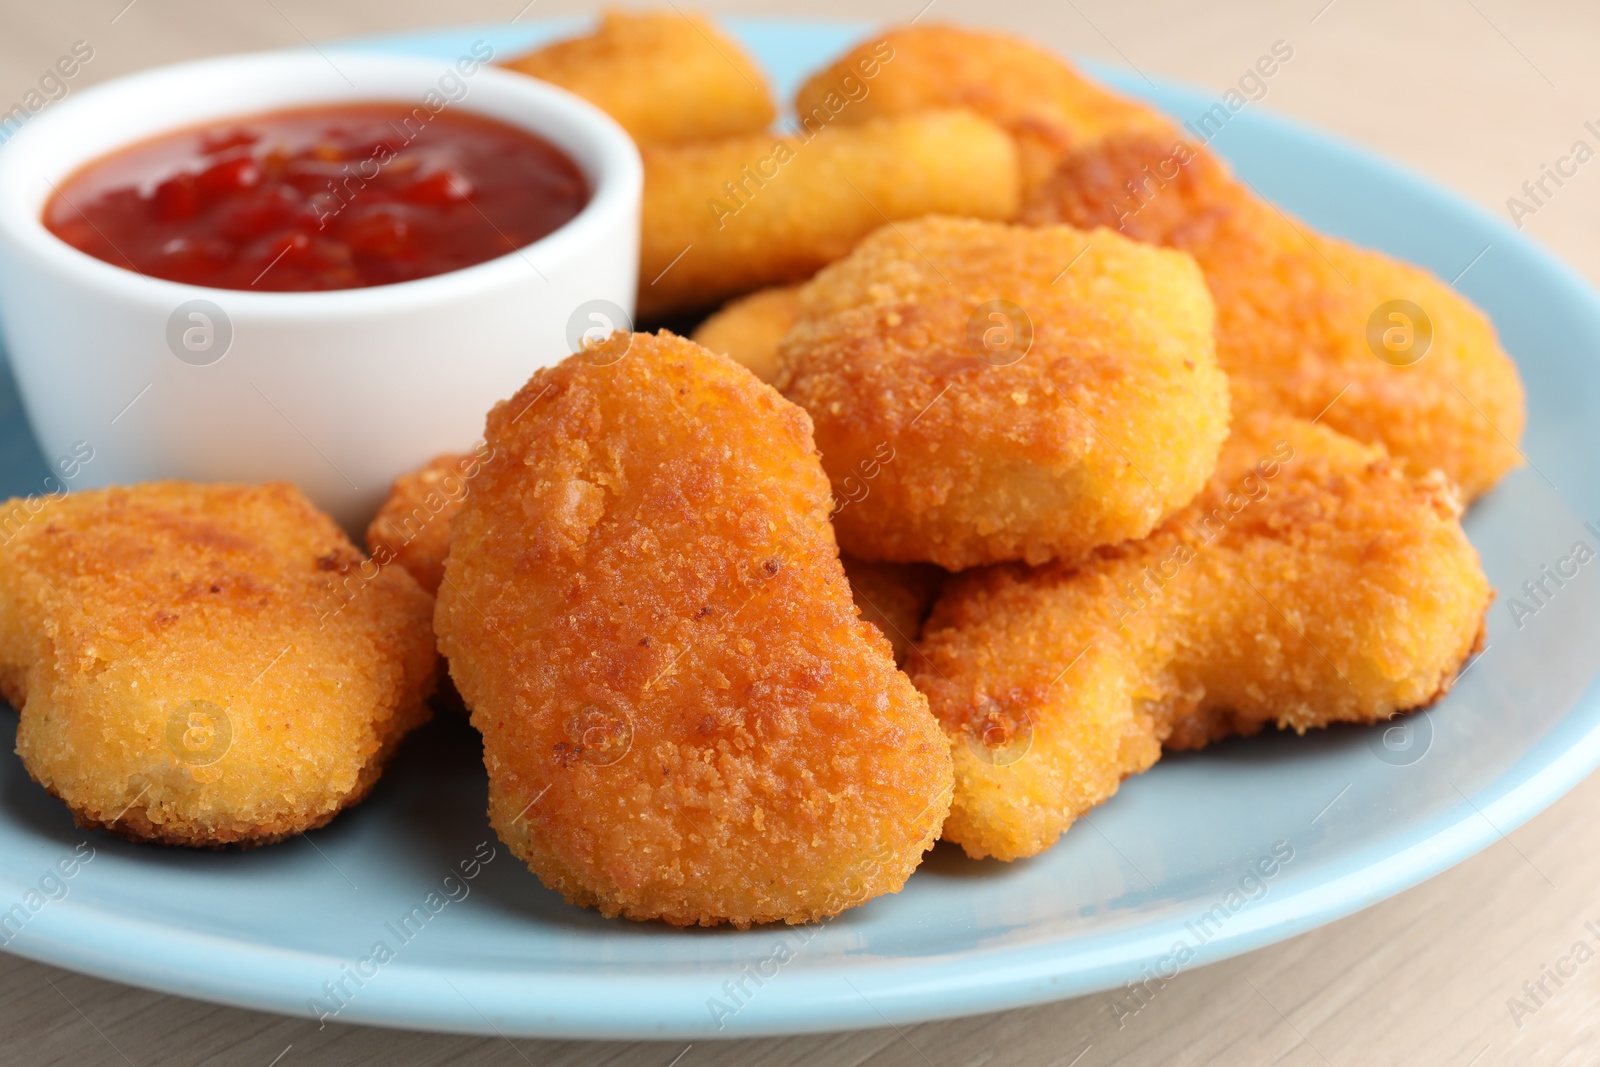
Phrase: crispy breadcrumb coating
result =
(1046, 105)
(414, 522)
(683, 717)
(1299, 325)
(723, 218)
(665, 76)
(748, 329)
(894, 597)
(957, 452)
(1311, 583)
(205, 665)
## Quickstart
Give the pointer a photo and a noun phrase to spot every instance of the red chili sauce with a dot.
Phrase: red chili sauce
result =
(323, 198)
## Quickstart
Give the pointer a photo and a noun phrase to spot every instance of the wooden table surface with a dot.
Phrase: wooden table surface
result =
(1476, 93)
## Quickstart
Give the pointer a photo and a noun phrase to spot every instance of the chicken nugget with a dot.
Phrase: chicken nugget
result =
(984, 392)
(1308, 325)
(723, 218)
(413, 528)
(683, 716)
(1311, 583)
(205, 665)
(894, 597)
(413, 525)
(665, 76)
(1046, 105)
(748, 329)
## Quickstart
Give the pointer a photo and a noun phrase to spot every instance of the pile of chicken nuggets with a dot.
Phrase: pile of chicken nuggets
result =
(1022, 443)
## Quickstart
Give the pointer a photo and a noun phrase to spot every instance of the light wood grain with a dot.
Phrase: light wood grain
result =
(1477, 94)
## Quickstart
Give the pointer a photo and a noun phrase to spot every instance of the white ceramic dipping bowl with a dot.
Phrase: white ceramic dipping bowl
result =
(337, 391)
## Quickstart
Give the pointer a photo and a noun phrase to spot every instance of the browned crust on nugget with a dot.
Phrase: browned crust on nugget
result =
(683, 716)
(413, 525)
(1311, 583)
(665, 76)
(1040, 99)
(206, 665)
(1107, 421)
(1296, 311)
(135, 824)
(726, 217)
(747, 330)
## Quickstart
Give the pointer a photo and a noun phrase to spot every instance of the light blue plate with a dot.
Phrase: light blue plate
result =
(1171, 859)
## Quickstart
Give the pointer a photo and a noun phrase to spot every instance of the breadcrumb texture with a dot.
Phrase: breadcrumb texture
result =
(665, 76)
(683, 716)
(724, 218)
(205, 665)
(1293, 311)
(748, 330)
(951, 453)
(1046, 105)
(1311, 583)
(413, 525)
(895, 597)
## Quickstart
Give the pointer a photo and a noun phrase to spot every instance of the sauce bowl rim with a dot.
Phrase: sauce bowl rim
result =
(278, 79)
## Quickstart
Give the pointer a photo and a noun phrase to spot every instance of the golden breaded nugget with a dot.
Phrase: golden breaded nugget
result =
(683, 717)
(1306, 324)
(1036, 95)
(1311, 583)
(413, 525)
(722, 218)
(984, 392)
(205, 665)
(664, 76)
(748, 330)
(894, 597)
